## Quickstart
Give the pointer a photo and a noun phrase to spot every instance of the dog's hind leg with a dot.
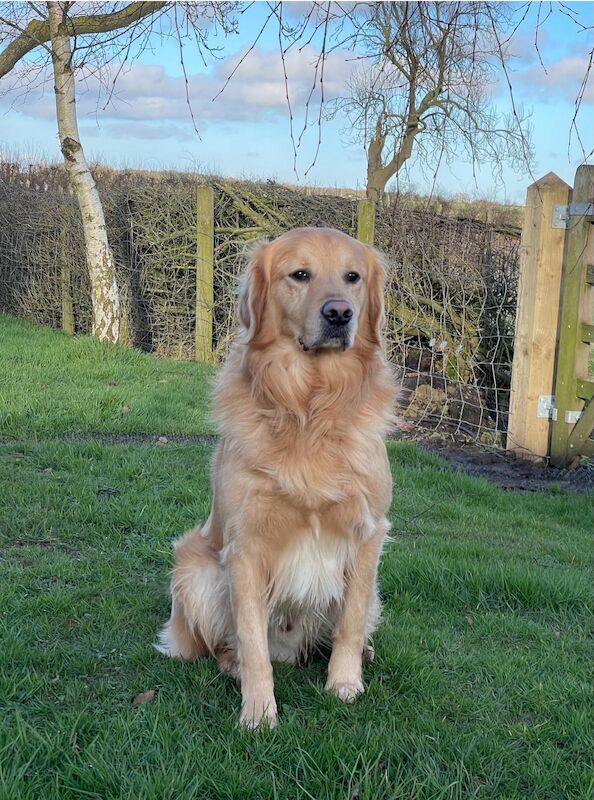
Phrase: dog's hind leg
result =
(178, 639)
(200, 619)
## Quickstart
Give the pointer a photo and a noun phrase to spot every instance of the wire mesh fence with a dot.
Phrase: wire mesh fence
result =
(450, 294)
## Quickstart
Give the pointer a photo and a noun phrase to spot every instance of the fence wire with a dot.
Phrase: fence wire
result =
(450, 295)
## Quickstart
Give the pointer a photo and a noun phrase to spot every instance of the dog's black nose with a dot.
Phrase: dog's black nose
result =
(337, 312)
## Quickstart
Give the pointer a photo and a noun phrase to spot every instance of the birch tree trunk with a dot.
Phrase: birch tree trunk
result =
(105, 296)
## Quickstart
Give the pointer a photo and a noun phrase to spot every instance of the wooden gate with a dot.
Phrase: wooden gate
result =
(552, 391)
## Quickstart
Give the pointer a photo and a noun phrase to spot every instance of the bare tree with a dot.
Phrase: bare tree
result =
(422, 89)
(105, 297)
(30, 36)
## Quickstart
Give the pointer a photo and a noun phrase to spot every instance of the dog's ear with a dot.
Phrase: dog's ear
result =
(253, 291)
(375, 295)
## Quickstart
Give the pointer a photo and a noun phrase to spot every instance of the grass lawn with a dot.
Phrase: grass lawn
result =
(51, 383)
(482, 682)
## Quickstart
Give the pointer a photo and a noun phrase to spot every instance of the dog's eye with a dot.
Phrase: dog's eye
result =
(300, 275)
(352, 277)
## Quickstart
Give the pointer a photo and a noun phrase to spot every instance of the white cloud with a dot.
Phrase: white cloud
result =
(561, 81)
(256, 90)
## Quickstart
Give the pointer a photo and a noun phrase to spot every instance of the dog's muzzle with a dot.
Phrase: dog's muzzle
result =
(336, 327)
(335, 330)
(337, 313)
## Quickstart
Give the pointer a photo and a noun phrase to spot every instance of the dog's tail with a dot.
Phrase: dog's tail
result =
(200, 619)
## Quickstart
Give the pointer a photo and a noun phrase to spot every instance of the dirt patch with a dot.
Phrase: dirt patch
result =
(44, 544)
(495, 465)
(513, 473)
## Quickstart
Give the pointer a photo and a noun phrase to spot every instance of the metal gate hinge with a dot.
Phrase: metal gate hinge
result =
(572, 416)
(545, 408)
(562, 214)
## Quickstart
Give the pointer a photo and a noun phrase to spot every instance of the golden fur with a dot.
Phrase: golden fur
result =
(301, 482)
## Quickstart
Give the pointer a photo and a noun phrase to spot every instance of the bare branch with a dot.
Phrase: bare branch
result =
(37, 32)
(423, 92)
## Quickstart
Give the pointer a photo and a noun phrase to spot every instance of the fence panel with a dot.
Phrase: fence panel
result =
(451, 283)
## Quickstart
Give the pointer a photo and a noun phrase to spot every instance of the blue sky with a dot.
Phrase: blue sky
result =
(245, 132)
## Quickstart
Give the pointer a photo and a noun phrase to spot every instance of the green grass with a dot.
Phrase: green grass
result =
(51, 384)
(481, 686)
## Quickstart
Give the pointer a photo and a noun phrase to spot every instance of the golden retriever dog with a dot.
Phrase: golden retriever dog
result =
(287, 561)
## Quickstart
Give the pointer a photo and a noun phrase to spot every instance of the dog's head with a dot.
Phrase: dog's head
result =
(317, 286)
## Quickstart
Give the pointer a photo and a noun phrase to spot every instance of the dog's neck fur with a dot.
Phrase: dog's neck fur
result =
(297, 418)
(305, 392)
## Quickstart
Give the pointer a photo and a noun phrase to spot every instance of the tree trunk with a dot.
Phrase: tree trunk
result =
(105, 296)
(375, 187)
(379, 174)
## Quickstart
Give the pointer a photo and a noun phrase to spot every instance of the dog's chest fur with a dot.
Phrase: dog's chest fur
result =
(309, 572)
(313, 430)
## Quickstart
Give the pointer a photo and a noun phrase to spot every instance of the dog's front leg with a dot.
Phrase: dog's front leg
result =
(344, 669)
(248, 586)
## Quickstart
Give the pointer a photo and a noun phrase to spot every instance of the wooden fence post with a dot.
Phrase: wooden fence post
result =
(575, 327)
(541, 261)
(204, 273)
(65, 288)
(67, 306)
(125, 335)
(366, 221)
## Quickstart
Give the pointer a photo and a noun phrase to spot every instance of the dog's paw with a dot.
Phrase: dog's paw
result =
(163, 649)
(256, 713)
(172, 651)
(228, 663)
(368, 654)
(346, 691)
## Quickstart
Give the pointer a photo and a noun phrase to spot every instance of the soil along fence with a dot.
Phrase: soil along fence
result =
(179, 243)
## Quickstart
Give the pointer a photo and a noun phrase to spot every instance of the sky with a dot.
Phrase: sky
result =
(241, 127)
